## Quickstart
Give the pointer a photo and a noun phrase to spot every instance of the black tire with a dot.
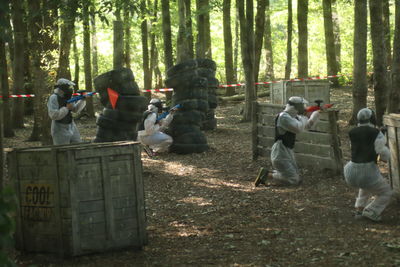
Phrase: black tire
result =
(212, 101)
(188, 117)
(186, 80)
(209, 125)
(206, 63)
(180, 129)
(182, 67)
(194, 104)
(120, 80)
(108, 123)
(190, 94)
(131, 103)
(188, 148)
(212, 83)
(112, 135)
(207, 73)
(197, 138)
(120, 115)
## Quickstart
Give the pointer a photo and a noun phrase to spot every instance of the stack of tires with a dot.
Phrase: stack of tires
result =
(191, 92)
(207, 68)
(119, 123)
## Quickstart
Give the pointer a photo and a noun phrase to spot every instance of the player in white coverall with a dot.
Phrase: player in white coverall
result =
(151, 131)
(362, 172)
(63, 127)
(288, 123)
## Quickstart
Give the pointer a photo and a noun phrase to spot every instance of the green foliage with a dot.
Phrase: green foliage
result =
(7, 224)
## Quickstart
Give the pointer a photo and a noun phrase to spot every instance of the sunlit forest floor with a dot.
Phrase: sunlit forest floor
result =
(203, 210)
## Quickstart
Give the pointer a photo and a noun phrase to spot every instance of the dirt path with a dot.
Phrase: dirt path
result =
(203, 210)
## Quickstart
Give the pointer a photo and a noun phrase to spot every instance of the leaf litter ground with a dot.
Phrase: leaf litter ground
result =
(203, 210)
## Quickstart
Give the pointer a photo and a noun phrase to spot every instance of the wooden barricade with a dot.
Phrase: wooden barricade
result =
(318, 148)
(392, 121)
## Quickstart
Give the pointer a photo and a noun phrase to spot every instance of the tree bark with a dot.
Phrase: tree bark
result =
(269, 56)
(360, 83)
(145, 49)
(189, 28)
(332, 67)
(379, 59)
(167, 39)
(118, 44)
(246, 19)
(182, 48)
(68, 14)
(19, 66)
(228, 51)
(76, 62)
(336, 32)
(95, 66)
(236, 47)
(394, 99)
(288, 66)
(127, 35)
(302, 14)
(386, 30)
(203, 44)
(258, 36)
(87, 62)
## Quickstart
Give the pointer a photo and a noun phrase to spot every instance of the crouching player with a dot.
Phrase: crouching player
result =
(288, 123)
(363, 172)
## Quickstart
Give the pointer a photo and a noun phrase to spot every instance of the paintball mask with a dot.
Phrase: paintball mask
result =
(298, 103)
(366, 115)
(66, 86)
(155, 105)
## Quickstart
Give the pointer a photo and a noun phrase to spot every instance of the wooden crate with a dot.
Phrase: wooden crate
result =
(79, 199)
(311, 90)
(318, 148)
(392, 122)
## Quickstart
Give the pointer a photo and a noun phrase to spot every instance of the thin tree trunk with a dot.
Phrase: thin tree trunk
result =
(269, 56)
(246, 18)
(182, 48)
(19, 66)
(95, 66)
(236, 47)
(386, 30)
(336, 32)
(87, 63)
(167, 39)
(128, 38)
(302, 14)
(207, 33)
(189, 28)
(145, 49)
(258, 36)
(394, 99)
(201, 45)
(76, 62)
(153, 50)
(288, 66)
(360, 83)
(118, 56)
(68, 13)
(379, 59)
(332, 67)
(229, 72)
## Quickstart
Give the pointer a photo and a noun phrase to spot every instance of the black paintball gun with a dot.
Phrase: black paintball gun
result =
(165, 114)
(82, 94)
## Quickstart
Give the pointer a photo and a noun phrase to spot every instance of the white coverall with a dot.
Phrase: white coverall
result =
(368, 178)
(63, 133)
(153, 135)
(283, 160)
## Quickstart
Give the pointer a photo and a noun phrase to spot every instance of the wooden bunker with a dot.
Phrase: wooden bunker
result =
(79, 199)
(392, 122)
(309, 89)
(318, 148)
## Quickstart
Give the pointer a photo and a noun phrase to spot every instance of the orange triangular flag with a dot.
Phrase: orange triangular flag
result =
(113, 96)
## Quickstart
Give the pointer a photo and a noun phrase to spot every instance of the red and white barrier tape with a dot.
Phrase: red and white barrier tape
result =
(222, 86)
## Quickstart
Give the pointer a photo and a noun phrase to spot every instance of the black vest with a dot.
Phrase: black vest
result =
(362, 144)
(145, 114)
(62, 102)
(288, 138)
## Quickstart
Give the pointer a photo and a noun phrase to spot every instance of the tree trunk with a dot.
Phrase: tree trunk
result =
(302, 14)
(182, 48)
(336, 32)
(19, 66)
(258, 36)
(236, 48)
(246, 19)
(229, 72)
(87, 63)
(95, 66)
(167, 39)
(379, 59)
(118, 44)
(360, 83)
(201, 45)
(8, 124)
(153, 50)
(269, 57)
(394, 99)
(68, 13)
(76, 62)
(145, 49)
(288, 66)
(127, 34)
(386, 30)
(189, 28)
(332, 67)
(1, 147)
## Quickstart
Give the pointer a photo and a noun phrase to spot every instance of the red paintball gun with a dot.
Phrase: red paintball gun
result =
(318, 106)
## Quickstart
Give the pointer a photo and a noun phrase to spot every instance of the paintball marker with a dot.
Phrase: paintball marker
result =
(318, 106)
(81, 96)
(165, 114)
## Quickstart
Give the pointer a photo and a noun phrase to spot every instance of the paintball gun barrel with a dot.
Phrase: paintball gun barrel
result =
(81, 96)
(318, 106)
(165, 114)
